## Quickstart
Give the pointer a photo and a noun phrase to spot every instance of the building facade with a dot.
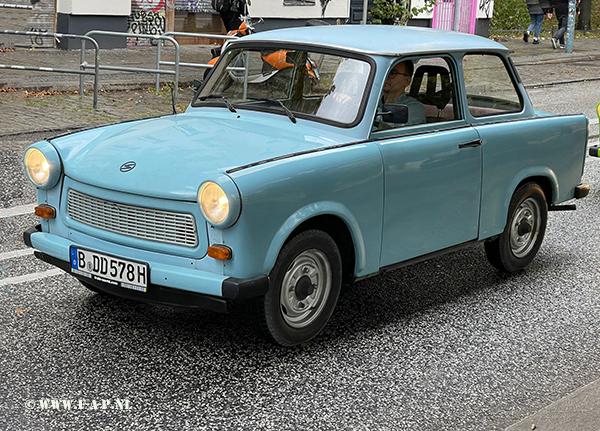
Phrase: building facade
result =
(197, 16)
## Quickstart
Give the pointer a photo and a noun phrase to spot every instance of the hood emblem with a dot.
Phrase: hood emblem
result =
(127, 166)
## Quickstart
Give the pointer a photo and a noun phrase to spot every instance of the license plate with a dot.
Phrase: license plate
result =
(109, 269)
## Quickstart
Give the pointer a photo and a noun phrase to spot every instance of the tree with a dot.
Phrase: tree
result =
(396, 11)
(584, 19)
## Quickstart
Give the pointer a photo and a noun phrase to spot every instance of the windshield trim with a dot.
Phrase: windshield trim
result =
(321, 49)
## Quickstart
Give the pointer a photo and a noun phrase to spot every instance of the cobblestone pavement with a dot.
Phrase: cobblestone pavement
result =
(25, 112)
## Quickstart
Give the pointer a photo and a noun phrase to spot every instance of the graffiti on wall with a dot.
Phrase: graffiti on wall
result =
(486, 7)
(41, 20)
(196, 6)
(30, 15)
(147, 17)
(149, 5)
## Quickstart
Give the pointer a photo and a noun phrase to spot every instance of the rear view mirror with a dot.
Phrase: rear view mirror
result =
(393, 113)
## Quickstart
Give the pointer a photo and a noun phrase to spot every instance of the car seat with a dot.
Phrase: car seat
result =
(438, 99)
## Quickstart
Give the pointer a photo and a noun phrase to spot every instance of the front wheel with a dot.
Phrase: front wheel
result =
(304, 287)
(516, 247)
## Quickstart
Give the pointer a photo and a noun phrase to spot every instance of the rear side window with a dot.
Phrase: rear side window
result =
(489, 86)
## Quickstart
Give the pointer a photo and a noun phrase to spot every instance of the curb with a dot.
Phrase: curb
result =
(571, 81)
(35, 132)
(560, 60)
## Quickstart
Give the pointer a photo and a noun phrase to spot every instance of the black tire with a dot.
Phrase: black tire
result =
(517, 246)
(311, 266)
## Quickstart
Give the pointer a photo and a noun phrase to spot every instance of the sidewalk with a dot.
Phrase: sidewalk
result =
(123, 95)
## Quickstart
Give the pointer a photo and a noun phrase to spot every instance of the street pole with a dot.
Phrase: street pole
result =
(571, 25)
(456, 15)
(365, 7)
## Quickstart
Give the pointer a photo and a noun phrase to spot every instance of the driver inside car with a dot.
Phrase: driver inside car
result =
(394, 91)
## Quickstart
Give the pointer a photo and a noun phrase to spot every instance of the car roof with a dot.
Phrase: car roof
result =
(389, 40)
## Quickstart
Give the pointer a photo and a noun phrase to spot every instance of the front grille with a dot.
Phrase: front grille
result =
(138, 222)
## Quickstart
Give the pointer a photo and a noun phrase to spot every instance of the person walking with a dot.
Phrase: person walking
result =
(561, 8)
(536, 14)
(231, 12)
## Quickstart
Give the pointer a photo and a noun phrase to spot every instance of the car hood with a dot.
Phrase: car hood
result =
(174, 154)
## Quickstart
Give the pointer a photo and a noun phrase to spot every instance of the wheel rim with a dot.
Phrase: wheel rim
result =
(525, 227)
(305, 288)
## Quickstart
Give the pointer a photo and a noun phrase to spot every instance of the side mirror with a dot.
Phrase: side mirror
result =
(393, 113)
(197, 85)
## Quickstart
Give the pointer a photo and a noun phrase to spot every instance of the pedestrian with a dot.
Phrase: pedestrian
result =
(536, 14)
(561, 8)
(231, 12)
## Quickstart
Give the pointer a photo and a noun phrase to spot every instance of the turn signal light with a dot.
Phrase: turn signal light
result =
(219, 252)
(45, 211)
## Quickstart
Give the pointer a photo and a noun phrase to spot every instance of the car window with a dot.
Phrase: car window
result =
(489, 87)
(326, 86)
(428, 92)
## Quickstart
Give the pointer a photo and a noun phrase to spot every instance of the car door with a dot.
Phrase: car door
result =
(432, 172)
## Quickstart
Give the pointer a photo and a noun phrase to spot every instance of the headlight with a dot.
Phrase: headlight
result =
(220, 201)
(42, 164)
(37, 166)
(214, 202)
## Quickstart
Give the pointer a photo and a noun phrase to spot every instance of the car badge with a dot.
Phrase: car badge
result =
(127, 166)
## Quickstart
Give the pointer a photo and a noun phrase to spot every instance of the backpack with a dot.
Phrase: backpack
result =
(228, 5)
(221, 5)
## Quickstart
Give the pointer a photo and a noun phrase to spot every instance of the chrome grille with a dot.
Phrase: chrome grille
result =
(138, 222)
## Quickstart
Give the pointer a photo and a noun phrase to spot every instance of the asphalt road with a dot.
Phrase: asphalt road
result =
(449, 344)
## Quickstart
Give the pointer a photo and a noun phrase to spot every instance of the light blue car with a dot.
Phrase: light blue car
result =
(310, 158)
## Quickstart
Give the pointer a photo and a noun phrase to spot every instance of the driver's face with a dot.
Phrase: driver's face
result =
(398, 77)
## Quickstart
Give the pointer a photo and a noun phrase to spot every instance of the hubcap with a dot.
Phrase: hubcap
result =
(525, 227)
(305, 288)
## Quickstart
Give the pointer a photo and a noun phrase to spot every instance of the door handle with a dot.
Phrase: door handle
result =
(472, 144)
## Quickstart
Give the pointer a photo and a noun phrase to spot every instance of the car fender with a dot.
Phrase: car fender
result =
(310, 211)
(521, 177)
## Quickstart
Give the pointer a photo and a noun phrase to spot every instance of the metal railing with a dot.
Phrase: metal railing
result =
(81, 71)
(15, 6)
(157, 71)
(83, 65)
(160, 62)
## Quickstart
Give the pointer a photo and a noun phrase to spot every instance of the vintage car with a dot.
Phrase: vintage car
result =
(290, 175)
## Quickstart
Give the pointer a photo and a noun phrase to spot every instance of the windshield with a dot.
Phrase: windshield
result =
(326, 86)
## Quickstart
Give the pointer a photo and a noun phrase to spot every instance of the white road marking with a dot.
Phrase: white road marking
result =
(30, 277)
(593, 121)
(16, 253)
(16, 211)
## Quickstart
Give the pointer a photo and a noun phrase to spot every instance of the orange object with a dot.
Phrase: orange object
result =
(277, 59)
(45, 211)
(220, 252)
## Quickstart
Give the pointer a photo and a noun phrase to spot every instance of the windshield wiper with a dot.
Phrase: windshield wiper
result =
(216, 96)
(274, 102)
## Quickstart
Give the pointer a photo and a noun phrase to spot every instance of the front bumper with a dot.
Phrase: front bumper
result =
(222, 290)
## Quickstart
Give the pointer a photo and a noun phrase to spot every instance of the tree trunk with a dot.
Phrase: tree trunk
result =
(584, 20)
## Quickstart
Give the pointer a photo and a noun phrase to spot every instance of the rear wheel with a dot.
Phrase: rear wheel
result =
(305, 285)
(516, 247)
